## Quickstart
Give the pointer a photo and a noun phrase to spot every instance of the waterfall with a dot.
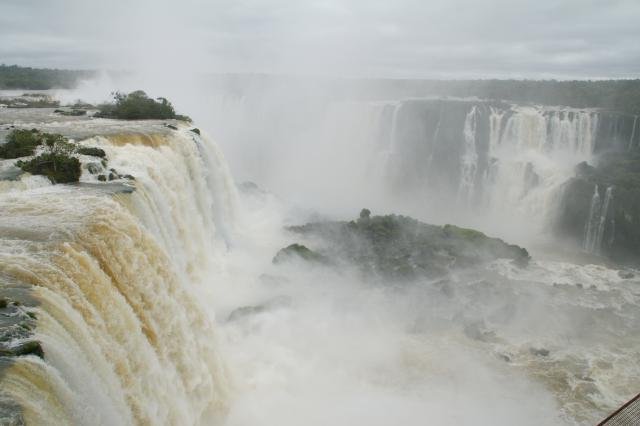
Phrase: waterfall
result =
(119, 284)
(491, 157)
(608, 199)
(469, 160)
(592, 225)
(596, 224)
(633, 133)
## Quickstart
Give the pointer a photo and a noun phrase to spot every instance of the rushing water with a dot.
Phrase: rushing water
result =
(156, 301)
(115, 276)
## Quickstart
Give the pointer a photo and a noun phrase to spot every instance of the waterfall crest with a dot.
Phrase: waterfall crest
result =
(117, 279)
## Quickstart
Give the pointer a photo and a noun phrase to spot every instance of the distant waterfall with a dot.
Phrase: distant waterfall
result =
(593, 222)
(117, 279)
(633, 133)
(469, 159)
(596, 224)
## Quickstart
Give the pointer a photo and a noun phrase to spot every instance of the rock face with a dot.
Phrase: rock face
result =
(403, 248)
(298, 251)
(600, 208)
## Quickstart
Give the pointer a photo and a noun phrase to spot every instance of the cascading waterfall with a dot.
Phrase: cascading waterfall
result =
(608, 199)
(596, 225)
(633, 133)
(118, 283)
(469, 159)
(491, 156)
(593, 219)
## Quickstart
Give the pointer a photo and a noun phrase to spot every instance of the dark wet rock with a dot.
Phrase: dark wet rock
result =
(129, 177)
(22, 349)
(539, 352)
(245, 311)
(92, 151)
(300, 252)
(618, 173)
(75, 112)
(626, 274)
(94, 168)
(504, 357)
(196, 131)
(251, 188)
(113, 176)
(102, 178)
(172, 127)
(248, 311)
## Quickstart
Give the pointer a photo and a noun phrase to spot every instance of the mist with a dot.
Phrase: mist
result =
(308, 112)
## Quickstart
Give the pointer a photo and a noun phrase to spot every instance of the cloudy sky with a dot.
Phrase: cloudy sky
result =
(372, 38)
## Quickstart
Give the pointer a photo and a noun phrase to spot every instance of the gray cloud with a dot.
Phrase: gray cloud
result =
(373, 38)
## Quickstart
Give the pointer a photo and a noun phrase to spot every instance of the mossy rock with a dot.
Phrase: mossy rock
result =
(298, 251)
(27, 348)
(402, 248)
(92, 151)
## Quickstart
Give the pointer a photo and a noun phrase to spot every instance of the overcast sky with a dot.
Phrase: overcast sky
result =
(372, 38)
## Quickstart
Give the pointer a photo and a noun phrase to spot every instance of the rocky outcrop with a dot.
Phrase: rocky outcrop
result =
(600, 207)
(399, 247)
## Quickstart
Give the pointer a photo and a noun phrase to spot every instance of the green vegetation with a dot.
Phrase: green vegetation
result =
(90, 150)
(21, 143)
(138, 106)
(16, 77)
(57, 164)
(399, 247)
(56, 161)
(615, 95)
(58, 168)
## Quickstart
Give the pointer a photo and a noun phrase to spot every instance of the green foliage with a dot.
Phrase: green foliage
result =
(90, 150)
(15, 77)
(21, 143)
(615, 95)
(56, 162)
(137, 106)
(57, 166)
